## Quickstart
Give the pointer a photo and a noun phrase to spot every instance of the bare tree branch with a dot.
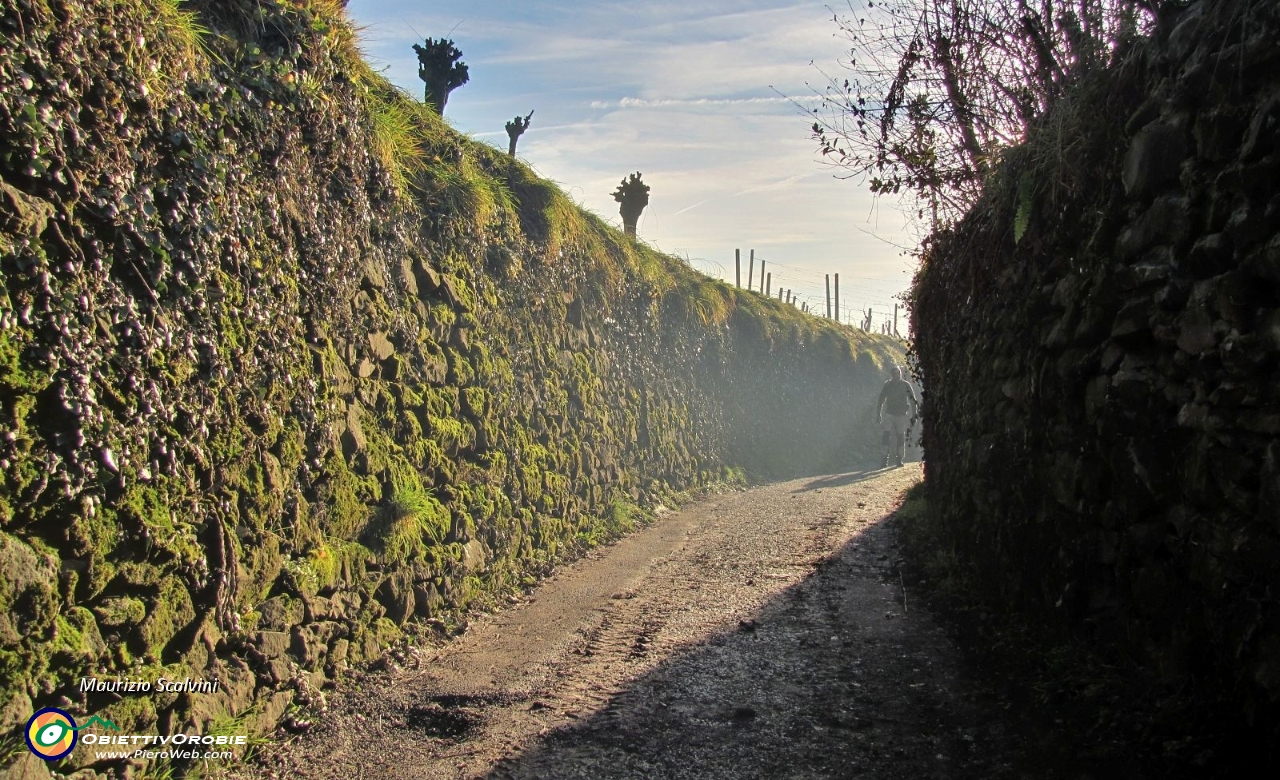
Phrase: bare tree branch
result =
(936, 88)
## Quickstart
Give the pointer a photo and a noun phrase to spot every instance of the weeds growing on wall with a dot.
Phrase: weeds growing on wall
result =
(183, 29)
(398, 138)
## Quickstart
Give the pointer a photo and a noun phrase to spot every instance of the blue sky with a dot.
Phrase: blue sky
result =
(685, 93)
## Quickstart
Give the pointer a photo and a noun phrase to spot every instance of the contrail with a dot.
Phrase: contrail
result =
(687, 208)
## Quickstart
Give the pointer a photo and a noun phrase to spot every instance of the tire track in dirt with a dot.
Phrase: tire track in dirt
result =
(762, 633)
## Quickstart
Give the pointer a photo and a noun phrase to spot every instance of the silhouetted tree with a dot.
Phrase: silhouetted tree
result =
(515, 129)
(633, 194)
(439, 69)
(938, 87)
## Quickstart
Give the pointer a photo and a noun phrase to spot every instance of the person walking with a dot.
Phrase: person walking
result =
(895, 410)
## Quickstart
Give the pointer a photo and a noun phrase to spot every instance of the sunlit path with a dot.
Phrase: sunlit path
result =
(762, 633)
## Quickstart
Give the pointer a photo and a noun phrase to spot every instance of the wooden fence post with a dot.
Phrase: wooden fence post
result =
(751, 269)
(737, 268)
(767, 281)
(828, 296)
(837, 297)
(895, 319)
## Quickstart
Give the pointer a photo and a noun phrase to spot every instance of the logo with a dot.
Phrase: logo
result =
(52, 733)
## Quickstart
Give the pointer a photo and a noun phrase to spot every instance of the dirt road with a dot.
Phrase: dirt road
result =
(758, 634)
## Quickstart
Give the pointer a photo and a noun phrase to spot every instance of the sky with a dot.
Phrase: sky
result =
(698, 96)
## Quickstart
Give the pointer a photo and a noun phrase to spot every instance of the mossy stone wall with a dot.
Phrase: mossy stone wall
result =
(289, 369)
(1102, 417)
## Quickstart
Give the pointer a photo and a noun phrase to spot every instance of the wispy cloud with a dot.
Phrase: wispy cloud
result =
(774, 185)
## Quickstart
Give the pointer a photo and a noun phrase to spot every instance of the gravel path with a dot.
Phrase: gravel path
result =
(759, 634)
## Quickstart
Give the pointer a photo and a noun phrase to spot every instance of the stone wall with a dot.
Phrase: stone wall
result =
(1103, 393)
(289, 369)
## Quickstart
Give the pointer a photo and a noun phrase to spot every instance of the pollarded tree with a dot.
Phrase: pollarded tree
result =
(440, 70)
(938, 87)
(633, 194)
(515, 129)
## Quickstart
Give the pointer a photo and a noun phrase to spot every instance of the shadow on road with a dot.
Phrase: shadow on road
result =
(834, 678)
(840, 480)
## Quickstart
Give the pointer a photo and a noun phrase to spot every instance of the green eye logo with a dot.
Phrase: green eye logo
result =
(51, 734)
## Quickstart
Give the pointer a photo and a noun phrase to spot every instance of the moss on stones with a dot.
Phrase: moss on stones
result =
(120, 612)
(169, 612)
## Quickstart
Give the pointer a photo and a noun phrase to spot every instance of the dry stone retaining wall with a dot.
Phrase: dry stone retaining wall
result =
(1102, 417)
